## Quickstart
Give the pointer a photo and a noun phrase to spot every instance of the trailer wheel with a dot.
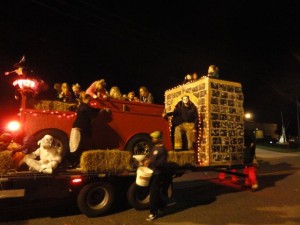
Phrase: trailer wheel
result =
(96, 199)
(61, 140)
(139, 144)
(139, 198)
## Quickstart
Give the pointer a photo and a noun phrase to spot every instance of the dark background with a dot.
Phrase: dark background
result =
(156, 43)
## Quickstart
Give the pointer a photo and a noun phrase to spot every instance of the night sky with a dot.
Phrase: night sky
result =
(155, 44)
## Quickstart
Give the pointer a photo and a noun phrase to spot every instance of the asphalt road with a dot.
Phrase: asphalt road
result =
(201, 199)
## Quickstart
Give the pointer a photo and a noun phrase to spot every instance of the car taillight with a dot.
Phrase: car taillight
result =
(76, 180)
(13, 126)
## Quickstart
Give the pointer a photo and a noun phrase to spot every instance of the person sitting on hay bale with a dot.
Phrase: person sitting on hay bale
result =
(46, 158)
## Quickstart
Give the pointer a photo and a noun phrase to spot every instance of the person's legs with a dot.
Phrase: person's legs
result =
(252, 177)
(85, 144)
(189, 128)
(177, 138)
(33, 164)
(154, 193)
(154, 197)
(166, 184)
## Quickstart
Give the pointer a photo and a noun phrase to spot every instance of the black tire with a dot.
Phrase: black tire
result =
(96, 199)
(139, 198)
(60, 140)
(140, 144)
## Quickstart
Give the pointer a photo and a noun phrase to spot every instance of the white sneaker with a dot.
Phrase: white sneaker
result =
(151, 217)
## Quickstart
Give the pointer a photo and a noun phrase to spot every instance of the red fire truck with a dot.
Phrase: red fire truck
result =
(125, 127)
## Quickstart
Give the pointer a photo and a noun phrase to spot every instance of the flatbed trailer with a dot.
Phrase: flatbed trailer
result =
(95, 192)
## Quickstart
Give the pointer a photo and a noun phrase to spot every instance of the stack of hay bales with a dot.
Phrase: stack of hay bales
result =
(9, 159)
(117, 160)
(105, 160)
(182, 158)
(5, 139)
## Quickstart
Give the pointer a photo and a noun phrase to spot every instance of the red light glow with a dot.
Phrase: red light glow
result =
(13, 126)
(77, 180)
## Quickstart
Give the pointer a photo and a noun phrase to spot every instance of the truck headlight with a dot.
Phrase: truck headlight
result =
(13, 126)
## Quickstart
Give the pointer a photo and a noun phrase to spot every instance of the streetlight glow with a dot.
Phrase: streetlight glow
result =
(248, 115)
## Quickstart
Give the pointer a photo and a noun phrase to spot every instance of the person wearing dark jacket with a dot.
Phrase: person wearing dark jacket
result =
(185, 120)
(80, 137)
(157, 161)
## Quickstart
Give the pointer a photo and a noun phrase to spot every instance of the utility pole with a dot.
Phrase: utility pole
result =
(298, 127)
(282, 139)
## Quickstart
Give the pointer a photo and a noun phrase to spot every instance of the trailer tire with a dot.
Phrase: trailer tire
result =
(139, 197)
(61, 140)
(96, 199)
(140, 144)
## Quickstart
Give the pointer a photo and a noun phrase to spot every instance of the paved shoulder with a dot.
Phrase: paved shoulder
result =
(262, 153)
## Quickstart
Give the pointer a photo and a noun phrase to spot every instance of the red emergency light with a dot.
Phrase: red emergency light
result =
(76, 180)
(25, 83)
(13, 126)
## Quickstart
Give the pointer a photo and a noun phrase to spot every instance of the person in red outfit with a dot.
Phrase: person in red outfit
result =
(98, 90)
(250, 161)
(250, 169)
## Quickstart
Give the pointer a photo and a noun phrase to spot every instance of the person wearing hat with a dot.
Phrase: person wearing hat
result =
(20, 68)
(157, 161)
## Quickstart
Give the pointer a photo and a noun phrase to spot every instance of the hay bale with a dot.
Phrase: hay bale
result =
(43, 105)
(55, 105)
(6, 161)
(13, 146)
(3, 145)
(105, 160)
(182, 158)
(5, 137)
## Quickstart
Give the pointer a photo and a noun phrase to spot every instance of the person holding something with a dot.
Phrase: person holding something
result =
(160, 180)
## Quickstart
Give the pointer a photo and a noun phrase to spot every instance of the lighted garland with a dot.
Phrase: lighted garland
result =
(69, 115)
